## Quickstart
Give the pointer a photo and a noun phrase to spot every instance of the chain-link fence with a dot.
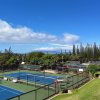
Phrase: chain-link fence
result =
(46, 91)
(40, 93)
(75, 81)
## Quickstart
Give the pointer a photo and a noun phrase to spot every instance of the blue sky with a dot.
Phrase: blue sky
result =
(29, 25)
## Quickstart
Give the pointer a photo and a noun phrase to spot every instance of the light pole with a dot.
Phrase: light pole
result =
(44, 71)
(62, 58)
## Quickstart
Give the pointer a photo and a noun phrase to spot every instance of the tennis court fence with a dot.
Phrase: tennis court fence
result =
(46, 91)
(75, 81)
(41, 93)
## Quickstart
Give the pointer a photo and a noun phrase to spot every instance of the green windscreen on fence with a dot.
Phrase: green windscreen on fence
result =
(40, 93)
(44, 92)
(75, 81)
(26, 96)
(16, 98)
(52, 89)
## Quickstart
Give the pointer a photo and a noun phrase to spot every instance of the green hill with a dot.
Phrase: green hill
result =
(91, 91)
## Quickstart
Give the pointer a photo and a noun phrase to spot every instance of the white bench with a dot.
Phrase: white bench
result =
(14, 80)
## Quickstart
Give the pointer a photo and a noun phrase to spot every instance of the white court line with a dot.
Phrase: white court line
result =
(26, 74)
(48, 77)
(9, 91)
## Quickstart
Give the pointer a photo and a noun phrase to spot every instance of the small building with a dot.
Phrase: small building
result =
(76, 67)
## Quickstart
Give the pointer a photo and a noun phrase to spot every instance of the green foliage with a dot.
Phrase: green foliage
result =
(11, 61)
(93, 69)
(82, 54)
(74, 50)
(8, 60)
(75, 57)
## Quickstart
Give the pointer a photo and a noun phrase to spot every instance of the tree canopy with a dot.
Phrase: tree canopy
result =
(81, 53)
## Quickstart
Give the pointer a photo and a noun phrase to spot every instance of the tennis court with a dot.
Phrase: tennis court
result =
(43, 85)
(30, 77)
(6, 92)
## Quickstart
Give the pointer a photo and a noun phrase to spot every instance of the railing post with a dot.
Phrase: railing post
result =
(56, 86)
(27, 79)
(48, 91)
(18, 97)
(78, 79)
(35, 94)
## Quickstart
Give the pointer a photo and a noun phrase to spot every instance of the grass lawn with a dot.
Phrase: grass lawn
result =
(90, 91)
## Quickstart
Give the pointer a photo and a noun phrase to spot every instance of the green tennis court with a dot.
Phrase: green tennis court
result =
(38, 91)
(30, 92)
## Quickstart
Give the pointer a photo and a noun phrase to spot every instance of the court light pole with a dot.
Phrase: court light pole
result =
(62, 58)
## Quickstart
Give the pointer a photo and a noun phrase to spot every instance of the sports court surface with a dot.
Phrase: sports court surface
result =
(39, 86)
(6, 92)
(30, 77)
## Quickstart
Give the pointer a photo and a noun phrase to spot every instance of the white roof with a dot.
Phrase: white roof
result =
(86, 64)
(22, 62)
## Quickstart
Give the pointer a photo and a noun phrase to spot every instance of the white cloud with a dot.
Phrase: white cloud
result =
(54, 47)
(71, 38)
(10, 34)
(62, 45)
(45, 49)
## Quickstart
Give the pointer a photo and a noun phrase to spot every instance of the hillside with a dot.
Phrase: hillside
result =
(90, 91)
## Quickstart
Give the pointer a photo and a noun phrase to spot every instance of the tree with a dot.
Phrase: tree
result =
(12, 63)
(74, 49)
(95, 52)
(77, 51)
(93, 69)
(74, 57)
